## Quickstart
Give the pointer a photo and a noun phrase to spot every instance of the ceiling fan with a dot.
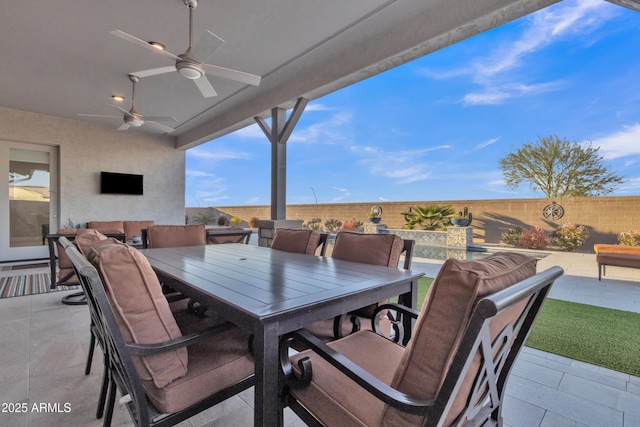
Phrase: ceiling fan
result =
(134, 119)
(191, 64)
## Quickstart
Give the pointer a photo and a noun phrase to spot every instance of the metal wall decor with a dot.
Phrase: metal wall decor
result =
(553, 211)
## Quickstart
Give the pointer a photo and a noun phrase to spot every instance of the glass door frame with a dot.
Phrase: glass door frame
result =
(8, 253)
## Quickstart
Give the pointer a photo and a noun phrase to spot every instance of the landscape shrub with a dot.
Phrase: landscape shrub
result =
(253, 222)
(569, 237)
(332, 225)
(313, 224)
(629, 238)
(235, 221)
(353, 225)
(512, 236)
(534, 238)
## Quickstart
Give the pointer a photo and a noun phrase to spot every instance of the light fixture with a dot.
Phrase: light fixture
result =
(157, 45)
(117, 98)
(189, 69)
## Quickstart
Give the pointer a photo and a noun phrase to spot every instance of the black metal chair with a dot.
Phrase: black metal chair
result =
(454, 369)
(216, 351)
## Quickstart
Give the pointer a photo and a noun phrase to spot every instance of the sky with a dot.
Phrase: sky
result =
(435, 128)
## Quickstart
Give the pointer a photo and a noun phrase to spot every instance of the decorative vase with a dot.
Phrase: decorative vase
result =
(136, 239)
(460, 222)
(375, 219)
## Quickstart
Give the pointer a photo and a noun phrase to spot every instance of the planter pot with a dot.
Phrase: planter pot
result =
(375, 220)
(460, 222)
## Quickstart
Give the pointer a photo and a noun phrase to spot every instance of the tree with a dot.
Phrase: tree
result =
(559, 168)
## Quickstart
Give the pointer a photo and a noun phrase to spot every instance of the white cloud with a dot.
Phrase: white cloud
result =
(252, 131)
(620, 144)
(486, 143)
(335, 129)
(191, 173)
(494, 95)
(218, 153)
(252, 201)
(345, 193)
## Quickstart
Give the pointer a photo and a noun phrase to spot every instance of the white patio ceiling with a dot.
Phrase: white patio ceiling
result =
(59, 58)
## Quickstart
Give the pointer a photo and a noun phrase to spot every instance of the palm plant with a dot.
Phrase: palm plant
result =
(430, 217)
(204, 218)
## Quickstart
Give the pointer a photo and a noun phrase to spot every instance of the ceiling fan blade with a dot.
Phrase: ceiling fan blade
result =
(205, 46)
(141, 43)
(100, 115)
(230, 74)
(167, 129)
(117, 107)
(154, 71)
(123, 126)
(161, 118)
(205, 87)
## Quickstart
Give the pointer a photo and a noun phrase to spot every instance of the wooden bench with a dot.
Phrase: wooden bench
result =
(616, 255)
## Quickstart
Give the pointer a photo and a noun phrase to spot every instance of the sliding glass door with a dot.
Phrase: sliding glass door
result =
(28, 199)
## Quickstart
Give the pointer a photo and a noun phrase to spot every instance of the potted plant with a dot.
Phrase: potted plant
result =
(463, 219)
(375, 214)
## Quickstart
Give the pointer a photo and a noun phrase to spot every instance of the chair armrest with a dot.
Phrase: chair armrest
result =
(396, 323)
(157, 348)
(364, 379)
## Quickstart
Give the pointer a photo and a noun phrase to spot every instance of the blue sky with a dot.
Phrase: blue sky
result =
(435, 128)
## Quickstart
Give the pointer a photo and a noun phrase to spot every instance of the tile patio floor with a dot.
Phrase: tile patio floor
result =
(43, 346)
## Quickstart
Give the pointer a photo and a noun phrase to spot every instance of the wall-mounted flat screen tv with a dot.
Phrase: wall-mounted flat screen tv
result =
(120, 183)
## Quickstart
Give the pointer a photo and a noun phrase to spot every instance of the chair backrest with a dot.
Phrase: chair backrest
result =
(464, 335)
(170, 236)
(134, 228)
(376, 249)
(66, 274)
(300, 241)
(121, 365)
(228, 235)
(107, 226)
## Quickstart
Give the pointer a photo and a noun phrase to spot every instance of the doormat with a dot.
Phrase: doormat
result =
(28, 284)
(23, 266)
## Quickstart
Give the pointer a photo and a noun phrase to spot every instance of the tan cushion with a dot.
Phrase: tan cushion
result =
(616, 249)
(298, 241)
(140, 308)
(214, 364)
(134, 228)
(86, 238)
(170, 236)
(336, 400)
(376, 249)
(107, 226)
(444, 316)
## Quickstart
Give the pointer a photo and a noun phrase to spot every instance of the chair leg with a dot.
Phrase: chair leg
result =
(110, 403)
(92, 346)
(103, 389)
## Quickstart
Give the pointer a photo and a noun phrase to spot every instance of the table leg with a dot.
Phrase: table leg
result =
(267, 409)
(410, 299)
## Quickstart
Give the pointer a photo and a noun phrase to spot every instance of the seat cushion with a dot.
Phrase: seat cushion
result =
(298, 241)
(134, 228)
(443, 319)
(214, 364)
(336, 400)
(140, 308)
(170, 236)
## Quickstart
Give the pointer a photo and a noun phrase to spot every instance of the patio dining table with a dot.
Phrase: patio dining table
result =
(271, 293)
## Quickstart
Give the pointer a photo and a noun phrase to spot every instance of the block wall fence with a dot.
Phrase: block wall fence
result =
(605, 217)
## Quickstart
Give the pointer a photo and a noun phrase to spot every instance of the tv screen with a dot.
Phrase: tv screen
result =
(120, 183)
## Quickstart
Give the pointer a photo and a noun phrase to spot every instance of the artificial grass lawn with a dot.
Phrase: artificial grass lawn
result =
(596, 335)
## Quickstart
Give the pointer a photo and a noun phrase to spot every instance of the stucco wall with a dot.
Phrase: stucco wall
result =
(87, 149)
(604, 216)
